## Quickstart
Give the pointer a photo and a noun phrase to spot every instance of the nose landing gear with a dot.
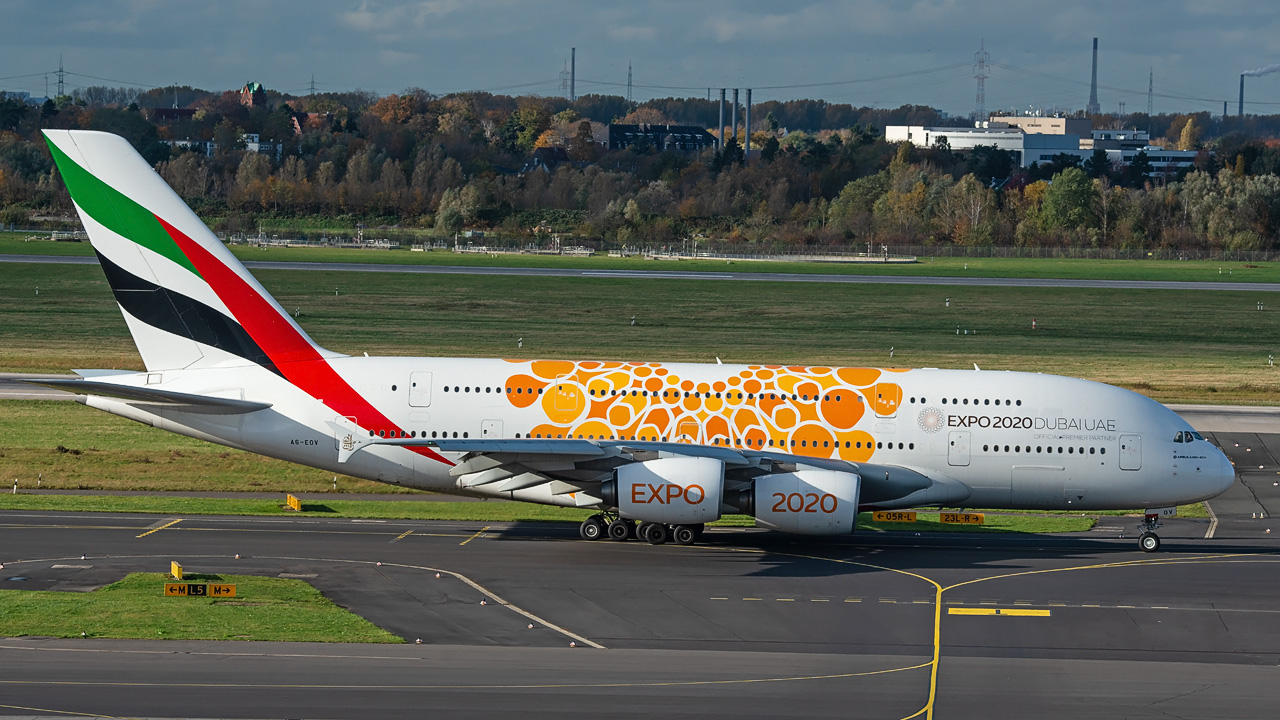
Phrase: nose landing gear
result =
(1148, 540)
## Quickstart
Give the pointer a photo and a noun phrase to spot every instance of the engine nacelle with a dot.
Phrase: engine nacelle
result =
(807, 502)
(675, 491)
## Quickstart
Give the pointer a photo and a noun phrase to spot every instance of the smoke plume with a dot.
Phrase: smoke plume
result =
(1262, 71)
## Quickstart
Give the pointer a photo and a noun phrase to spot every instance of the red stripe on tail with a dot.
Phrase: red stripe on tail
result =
(295, 356)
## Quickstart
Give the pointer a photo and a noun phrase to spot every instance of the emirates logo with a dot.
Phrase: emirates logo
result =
(930, 420)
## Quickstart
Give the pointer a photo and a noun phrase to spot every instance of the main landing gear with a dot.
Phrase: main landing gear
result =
(1148, 540)
(620, 529)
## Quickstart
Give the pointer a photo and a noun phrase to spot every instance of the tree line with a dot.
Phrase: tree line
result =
(822, 174)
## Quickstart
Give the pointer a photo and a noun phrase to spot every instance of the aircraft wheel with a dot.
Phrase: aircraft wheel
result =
(1149, 542)
(655, 533)
(684, 535)
(591, 528)
(619, 529)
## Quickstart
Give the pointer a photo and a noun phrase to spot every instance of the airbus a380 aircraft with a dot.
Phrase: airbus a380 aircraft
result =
(674, 446)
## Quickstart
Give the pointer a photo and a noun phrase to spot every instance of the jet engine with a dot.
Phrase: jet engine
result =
(807, 502)
(673, 491)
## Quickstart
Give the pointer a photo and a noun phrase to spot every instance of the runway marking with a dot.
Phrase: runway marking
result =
(158, 529)
(402, 536)
(1213, 522)
(1024, 612)
(927, 710)
(725, 598)
(473, 537)
(60, 712)
(971, 611)
(786, 599)
(750, 598)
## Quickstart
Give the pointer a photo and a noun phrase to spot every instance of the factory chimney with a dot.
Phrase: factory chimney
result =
(720, 130)
(573, 73)
(734, 119)
(1240, 107)
(747, 125)
(1093, 108)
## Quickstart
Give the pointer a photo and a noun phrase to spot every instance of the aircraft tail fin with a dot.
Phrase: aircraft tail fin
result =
(188, 302)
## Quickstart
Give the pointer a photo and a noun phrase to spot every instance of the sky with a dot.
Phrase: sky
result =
(879, 54)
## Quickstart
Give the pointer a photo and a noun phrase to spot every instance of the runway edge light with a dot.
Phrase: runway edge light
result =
(175, 570)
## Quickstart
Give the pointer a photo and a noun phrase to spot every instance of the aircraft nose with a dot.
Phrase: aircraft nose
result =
(1224, 475)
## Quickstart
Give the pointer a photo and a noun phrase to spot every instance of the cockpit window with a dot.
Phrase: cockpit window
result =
(1197, 435)
(1178, 438)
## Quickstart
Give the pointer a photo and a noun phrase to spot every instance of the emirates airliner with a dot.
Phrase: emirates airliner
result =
(657, 449)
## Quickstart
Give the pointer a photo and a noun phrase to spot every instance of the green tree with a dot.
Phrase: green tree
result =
(1069, 201)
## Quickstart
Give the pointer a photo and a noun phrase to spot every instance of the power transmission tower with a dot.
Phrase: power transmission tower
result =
(564, 81)
(62, 77)
(628, 82)
(313, 84)
(1151, 83)
(981, 58)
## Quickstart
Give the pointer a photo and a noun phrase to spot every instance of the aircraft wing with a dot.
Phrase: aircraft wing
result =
(581, 465)
(186, 402)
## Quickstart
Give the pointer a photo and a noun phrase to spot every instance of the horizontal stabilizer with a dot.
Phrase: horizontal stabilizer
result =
(186, 402)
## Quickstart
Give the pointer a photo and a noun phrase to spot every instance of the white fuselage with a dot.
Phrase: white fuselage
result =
(1016, 440)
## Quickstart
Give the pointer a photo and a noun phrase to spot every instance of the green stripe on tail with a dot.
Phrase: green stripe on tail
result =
(116, 211)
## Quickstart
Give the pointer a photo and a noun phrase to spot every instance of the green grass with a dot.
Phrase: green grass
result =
(1211, 349)
(1199, 270)
(273, 609)
(65, 445)
(494, 512)
(1003, 523)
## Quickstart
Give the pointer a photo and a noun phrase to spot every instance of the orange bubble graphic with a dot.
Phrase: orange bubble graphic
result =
(653, 384)
(551, 369)
(858, 377)
(524, 390)
(764, 374)
(888, 397)
(564, 402)
(842, 409)
(813, 439)
(785, 418)
(593, 430)
(752, 386)
(856, 446)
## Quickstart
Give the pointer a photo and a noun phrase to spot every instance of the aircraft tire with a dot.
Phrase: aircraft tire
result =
(620, 530)
(684, 534)
(655, 533)
(1149, 542)
(591, 529)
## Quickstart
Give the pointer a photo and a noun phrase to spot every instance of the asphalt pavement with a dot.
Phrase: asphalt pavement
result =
(749, 623)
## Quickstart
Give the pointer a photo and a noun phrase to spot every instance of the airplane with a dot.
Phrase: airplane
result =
(658, 450)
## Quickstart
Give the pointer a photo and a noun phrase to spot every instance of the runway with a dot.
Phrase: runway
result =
(699, 275)
(749, 624)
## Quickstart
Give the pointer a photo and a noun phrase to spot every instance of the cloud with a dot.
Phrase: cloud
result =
(727, 28)
(632, 32)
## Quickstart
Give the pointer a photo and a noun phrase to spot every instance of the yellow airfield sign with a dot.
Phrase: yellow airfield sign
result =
(893, 516)
(199, 590)
(962, 518)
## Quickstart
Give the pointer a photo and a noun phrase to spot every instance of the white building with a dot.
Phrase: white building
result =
(1039, 139)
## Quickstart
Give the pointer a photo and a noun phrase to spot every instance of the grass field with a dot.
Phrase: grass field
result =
(1206, 271)
(264, 609)
(1205, 347)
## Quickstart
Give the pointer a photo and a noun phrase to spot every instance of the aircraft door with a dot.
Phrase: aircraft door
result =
(420, 389)
(490, 429)
(958, 448)
(887, 399)
(689, 430)
(1130, 452)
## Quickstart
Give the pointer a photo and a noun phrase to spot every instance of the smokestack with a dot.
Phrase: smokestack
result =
(720, 130)
(1240, 107)
(1224, 109)
(734, 121)
(747, 153)
(1094, 108)
(573, 73)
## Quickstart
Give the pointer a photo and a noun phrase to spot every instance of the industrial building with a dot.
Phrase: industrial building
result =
(674, 138)
(1037, 139)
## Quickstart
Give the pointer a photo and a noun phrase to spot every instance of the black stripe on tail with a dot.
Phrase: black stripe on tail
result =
(180, 315)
